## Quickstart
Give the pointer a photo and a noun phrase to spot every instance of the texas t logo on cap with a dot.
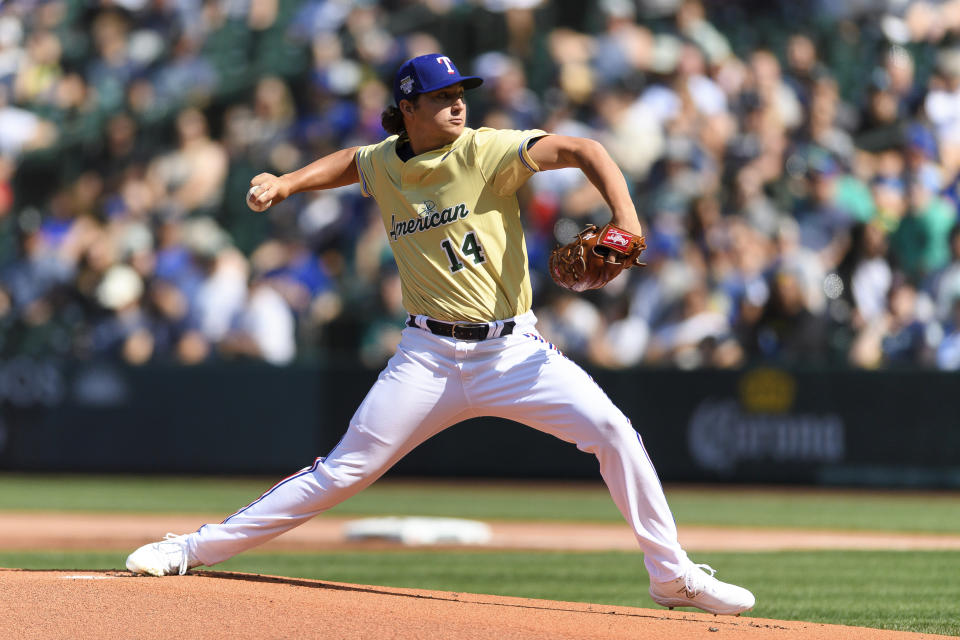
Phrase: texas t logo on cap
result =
(447, 61)
(424, 74)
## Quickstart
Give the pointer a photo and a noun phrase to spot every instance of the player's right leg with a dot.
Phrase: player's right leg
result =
(416, 396)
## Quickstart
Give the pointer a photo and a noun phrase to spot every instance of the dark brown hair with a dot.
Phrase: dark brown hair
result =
(392, 121)
(392, 118)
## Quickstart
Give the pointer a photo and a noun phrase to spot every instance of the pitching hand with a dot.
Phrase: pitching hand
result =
(267, 190)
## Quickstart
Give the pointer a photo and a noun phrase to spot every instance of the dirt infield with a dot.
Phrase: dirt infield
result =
(43, 530)
(210, 604)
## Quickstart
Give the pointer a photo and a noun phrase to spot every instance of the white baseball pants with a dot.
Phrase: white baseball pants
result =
(434, 382)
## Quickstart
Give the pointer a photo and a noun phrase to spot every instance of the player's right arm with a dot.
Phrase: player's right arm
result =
(335, 170)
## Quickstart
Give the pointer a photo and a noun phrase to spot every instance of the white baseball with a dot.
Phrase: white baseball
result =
(252, 201)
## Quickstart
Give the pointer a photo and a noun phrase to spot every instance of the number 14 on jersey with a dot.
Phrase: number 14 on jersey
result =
(469, 248)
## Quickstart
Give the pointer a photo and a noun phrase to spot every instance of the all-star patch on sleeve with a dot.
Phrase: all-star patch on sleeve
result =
(504, 159)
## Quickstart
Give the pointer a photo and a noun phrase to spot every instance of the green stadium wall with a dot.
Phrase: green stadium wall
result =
(761, 425)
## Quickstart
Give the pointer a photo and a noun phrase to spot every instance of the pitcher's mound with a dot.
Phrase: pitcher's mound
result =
(214, 604)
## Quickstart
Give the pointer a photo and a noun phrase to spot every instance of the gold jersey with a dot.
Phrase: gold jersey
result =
(453, 222)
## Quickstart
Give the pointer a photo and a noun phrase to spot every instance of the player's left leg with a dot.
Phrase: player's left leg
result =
(533, 383)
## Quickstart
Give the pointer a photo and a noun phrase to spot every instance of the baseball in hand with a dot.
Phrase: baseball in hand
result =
(252, 201)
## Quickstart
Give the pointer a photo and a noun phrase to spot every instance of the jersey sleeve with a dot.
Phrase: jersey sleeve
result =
(504, 159)
(366, 159)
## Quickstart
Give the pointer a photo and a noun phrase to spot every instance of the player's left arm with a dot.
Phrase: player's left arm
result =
(560, 152)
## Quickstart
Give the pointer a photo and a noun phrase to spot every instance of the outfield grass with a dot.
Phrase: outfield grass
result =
(912, 591)
(906, 591)
(588, 502)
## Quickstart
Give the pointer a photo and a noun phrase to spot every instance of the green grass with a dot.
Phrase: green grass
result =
(588, 502)
(906, 591)
(910, 591)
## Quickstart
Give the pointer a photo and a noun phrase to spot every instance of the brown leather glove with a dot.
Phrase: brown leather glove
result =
(595, 257)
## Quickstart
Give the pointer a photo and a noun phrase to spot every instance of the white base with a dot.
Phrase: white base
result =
(419, 531)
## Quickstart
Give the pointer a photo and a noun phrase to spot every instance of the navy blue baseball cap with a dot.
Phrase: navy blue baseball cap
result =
(424, 74)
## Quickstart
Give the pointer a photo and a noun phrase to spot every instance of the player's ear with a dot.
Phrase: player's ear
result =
(406, 106)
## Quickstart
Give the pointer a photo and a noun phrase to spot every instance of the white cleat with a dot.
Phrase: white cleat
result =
(168, 557)
(701, 590)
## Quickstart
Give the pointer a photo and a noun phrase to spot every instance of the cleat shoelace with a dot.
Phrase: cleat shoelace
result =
(175, 539)
(694, 582)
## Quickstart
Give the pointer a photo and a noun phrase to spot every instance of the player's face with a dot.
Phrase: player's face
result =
(438, 118)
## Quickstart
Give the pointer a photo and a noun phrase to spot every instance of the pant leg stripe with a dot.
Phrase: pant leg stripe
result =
(302, 472)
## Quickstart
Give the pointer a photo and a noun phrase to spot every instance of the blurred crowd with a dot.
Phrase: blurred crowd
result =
(795, 166)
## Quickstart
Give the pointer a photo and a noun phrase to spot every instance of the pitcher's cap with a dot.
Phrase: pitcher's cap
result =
(424, 74)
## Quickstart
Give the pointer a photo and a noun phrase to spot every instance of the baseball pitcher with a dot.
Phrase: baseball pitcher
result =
(447, 195)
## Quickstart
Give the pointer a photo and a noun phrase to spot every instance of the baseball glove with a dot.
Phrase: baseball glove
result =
(595, 257)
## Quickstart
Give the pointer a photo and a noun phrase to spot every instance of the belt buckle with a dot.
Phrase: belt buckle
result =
(469, 331)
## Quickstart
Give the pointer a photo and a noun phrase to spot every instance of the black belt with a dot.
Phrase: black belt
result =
(472, 331)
